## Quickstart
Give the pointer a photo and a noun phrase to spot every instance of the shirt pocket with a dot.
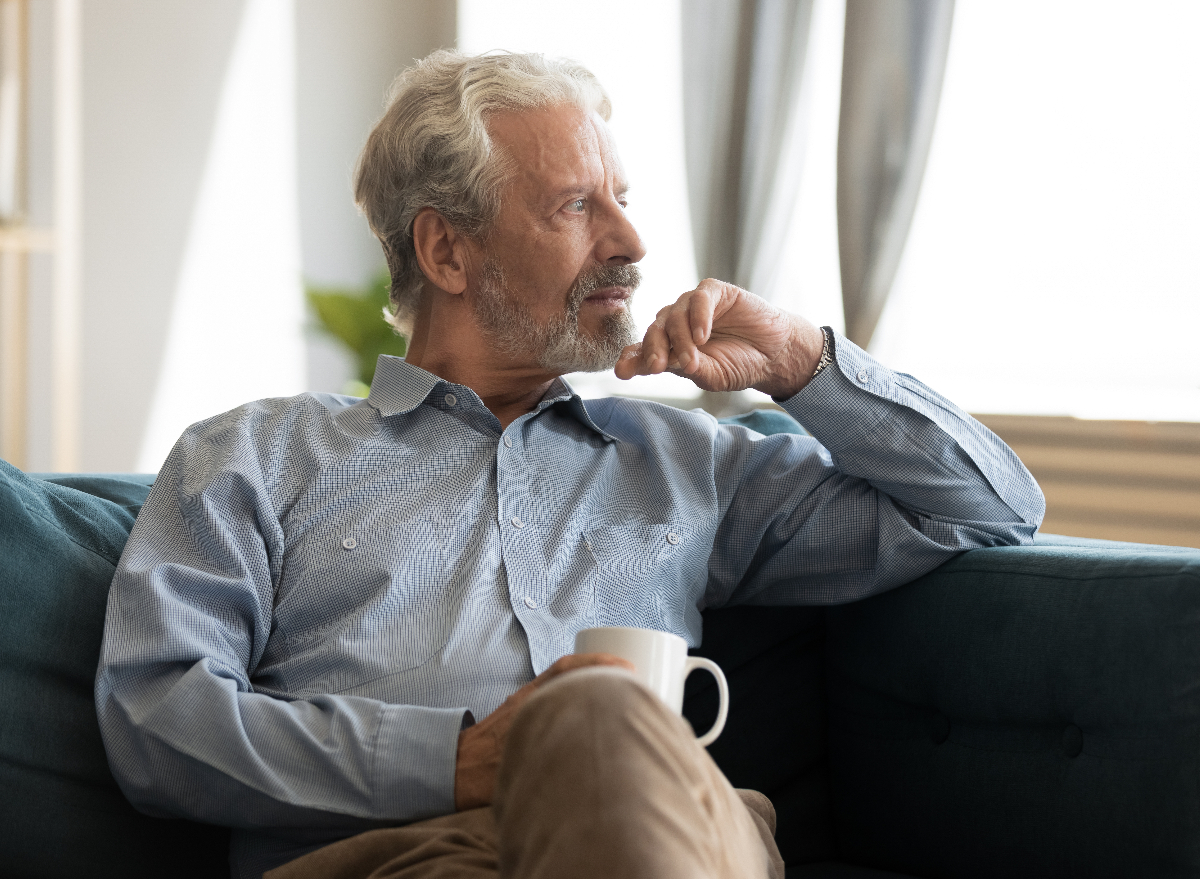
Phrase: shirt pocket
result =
(355, 604)
(642, 572)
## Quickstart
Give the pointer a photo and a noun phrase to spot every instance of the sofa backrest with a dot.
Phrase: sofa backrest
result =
(1027, 711)
(61, 812)
(775, 738)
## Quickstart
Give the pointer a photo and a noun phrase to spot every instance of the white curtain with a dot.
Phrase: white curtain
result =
(892, 68)
(744, 120)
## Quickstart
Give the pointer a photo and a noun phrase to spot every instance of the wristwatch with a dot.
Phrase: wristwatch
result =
(826, 352)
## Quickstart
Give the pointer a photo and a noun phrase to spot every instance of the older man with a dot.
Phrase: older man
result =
(342, 619)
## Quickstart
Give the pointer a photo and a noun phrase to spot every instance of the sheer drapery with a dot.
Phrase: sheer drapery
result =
(743, 66)
(892, 68)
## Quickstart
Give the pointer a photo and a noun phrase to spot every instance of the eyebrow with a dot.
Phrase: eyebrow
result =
(566, 192)
(579, 190)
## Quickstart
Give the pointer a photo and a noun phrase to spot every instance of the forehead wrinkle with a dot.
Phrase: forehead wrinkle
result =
(610, 158)
(553, 161)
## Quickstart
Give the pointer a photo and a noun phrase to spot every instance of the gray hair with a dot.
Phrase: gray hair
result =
(432, 149)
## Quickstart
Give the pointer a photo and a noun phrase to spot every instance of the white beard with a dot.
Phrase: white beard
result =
(557, 346)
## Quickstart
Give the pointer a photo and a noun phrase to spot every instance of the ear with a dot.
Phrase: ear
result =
(441, 251)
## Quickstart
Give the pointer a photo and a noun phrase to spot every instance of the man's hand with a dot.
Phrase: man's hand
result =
(481, 746)
(725, 339)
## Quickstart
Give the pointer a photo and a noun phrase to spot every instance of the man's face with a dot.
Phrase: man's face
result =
(557, 271)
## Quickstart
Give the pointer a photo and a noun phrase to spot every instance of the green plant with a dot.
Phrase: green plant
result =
(356, 319)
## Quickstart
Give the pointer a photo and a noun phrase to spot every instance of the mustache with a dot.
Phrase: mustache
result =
(600, 277)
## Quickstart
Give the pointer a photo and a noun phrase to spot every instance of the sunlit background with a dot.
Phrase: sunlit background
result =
(1052, 264)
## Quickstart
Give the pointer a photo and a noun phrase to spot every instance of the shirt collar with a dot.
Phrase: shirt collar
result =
(399, 387)
(562, 395)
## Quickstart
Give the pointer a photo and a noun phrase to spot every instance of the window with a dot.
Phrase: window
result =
(1052, 263)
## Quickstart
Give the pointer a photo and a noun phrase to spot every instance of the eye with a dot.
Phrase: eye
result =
(576, 206)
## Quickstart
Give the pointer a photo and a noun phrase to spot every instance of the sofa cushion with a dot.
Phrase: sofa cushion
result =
(1027, 711)
(62, 813)
(126, 490)
(774, 739)
(767, 422)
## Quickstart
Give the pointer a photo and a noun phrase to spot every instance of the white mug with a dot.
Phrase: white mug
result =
(661, 662)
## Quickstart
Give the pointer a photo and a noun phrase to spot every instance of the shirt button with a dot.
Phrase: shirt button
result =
(863, 376)
(672, 538)
(508, 441)
(451, 400)
(517, 523)
(349, 543)
(530, 603)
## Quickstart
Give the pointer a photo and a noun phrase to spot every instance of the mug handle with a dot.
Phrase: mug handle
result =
(695, 662)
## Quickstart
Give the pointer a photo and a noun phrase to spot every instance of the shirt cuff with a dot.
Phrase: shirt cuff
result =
(854, 393)
(415, 755)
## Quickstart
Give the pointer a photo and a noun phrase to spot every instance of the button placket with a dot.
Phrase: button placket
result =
(519, 534)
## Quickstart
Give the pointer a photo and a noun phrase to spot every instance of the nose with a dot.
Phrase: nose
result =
(618, 242)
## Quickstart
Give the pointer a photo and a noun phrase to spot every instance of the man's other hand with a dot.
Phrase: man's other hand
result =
(481, 746)
(725, 339)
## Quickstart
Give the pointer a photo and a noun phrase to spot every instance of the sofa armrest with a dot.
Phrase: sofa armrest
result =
(1029, 711)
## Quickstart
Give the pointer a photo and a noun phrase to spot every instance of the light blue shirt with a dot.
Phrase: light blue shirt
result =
(319, 588)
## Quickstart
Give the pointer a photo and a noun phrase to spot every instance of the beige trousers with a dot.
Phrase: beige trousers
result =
(598, 779)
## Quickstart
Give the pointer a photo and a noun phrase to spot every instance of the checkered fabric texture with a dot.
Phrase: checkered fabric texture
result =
(321, 591)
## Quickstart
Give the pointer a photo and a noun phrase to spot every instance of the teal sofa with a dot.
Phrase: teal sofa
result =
(1029, 712)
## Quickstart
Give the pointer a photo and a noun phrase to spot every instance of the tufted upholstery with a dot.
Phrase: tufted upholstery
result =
(1022, 712)
(1028, 712)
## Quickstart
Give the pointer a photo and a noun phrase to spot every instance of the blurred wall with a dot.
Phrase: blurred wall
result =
(348, 52)
(154, 73)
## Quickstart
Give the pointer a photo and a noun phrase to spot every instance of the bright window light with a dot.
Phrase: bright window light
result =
(1054, 261)
(1052, 266)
